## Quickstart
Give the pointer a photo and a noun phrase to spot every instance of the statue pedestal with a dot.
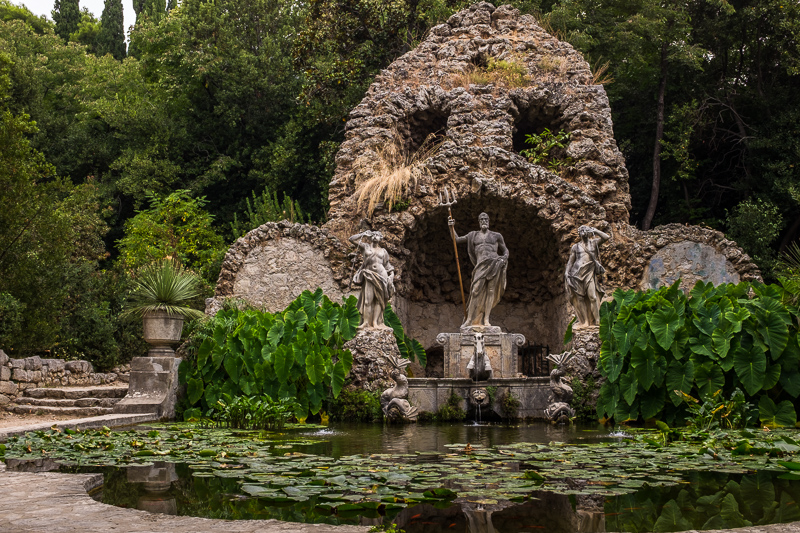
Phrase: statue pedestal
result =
(501, 348)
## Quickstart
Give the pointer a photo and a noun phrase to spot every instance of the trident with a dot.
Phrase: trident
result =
(447, 202)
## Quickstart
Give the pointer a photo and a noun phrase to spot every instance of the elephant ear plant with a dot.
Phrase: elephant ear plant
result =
(159, 295)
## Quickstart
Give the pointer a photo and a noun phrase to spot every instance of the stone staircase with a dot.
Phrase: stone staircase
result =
(69, 401)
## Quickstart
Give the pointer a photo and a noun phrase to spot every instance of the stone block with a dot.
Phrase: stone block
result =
(33, 363)
(20, 375)
(18, 363)
(5, 373)
(8, 387)
(4, 400)
(78, 367)
(3, 358)
(54, 365)
(35, 376)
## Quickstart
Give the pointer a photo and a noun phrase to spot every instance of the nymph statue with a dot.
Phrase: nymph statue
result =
(489, 274)
(581, 277)
(376, 276)
(394, 401)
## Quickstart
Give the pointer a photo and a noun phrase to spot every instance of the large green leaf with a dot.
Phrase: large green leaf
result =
(750, 366)
(349, 319)
(628, 386)
(346, 358)
(232, 366)
(328, 318)
(337, 378)
(709, 378)
(612, 365)
(282, 361)
(702, 345)
(651, 402)
(772, 415)
(707, 319)
(679, 377)
(758, 491)
(194, 390)
(276, 333)
(664, 324)
(204, 352)
(729, 512)
(721, 342)
(774, 331)
(671, 519)
(790, 381)
(315, 367)
(649, 367)
(607, 400)
(625, 334)
(625, 412)
(771, 376)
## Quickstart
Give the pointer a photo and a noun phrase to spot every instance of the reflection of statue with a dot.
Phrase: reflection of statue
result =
(479, 367)
(489, 275)
(394, 401)
(581, 276)
(376, 276)
(561, 394)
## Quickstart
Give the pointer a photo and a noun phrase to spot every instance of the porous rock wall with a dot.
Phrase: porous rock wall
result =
(479, 131)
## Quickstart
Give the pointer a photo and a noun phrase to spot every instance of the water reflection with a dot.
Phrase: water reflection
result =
(156, 481)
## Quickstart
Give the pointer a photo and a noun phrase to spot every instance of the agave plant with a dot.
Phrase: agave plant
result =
(560, 359)
(164, 287)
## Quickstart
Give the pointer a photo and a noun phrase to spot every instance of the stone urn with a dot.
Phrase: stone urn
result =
(162, 330)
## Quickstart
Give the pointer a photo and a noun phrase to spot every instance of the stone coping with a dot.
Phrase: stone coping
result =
(463, 382)
(59, 503)
(111, 421)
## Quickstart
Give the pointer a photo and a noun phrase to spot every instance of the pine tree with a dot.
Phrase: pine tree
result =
(67, 16)
(112, 30)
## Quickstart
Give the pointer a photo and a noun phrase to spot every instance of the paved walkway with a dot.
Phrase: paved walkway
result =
(112, 421)
(58, 503)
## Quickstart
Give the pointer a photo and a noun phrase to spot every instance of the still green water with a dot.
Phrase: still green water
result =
(382, 475)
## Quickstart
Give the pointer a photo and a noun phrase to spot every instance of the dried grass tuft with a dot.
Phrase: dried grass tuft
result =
(599, 74)
(388, 174)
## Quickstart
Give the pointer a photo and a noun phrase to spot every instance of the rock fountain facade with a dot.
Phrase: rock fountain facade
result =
(479, 131)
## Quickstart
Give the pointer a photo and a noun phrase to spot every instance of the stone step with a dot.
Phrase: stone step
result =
(70, 411)
(81, 402)
(76, 393)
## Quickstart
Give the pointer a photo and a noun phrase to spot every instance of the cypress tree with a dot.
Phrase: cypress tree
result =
(112, 30)
(67, 16)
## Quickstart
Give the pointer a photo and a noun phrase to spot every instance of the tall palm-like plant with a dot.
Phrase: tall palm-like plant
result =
(164, 287)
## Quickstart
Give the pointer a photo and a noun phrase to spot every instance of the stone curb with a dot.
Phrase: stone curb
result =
(58, 503)
(81, 423)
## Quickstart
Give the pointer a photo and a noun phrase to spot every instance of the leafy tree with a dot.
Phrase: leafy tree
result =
(111, 39)
(175, 226)
(67, 16)
(88, 31)
(9, 12)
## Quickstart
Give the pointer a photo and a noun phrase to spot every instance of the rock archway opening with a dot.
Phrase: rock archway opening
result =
(422, 126)
(534, 303)
(534, 118)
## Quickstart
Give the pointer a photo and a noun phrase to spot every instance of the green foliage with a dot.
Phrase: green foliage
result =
(175, 226)
(293, 354)
(715, 411)
(715, 339)
(509, 405)
(755, 225)
(584, 397)
(409, 348)
(164, 287)
(266, 208)
(256, 412)
(9, 12)
(355, 405)
(111, 39)
(67, 16)
(543, 144)
(452, 410)
(88, 32)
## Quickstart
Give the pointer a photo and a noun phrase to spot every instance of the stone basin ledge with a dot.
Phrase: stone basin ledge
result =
(59, 503)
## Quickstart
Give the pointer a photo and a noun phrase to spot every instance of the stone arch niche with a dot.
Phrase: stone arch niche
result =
(534, 303)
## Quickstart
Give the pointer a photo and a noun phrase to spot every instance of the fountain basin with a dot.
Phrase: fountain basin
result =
(429, 394)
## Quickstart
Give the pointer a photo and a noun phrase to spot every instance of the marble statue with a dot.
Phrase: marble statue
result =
(479, 367)
(394, 401)
(558, 409)
(376, 276)
(581, 277)
(489, 274)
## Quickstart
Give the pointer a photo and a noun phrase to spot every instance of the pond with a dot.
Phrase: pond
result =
(434, 478)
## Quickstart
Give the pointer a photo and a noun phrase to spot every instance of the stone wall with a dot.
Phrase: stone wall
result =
(271, 265)
(18, 375)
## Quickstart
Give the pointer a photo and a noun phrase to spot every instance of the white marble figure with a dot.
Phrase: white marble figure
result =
(376, 276)
(394, 401)
(479, 367)
(581, 276)
(489, 274)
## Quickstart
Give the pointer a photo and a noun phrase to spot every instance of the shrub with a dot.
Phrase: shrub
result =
(582, 399)
(257, 412)
(509, 405)
(294, 354)
(716, 338)
(451, 411)
(355, 406)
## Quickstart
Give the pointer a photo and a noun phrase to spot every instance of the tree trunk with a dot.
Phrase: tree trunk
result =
(662, 88)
